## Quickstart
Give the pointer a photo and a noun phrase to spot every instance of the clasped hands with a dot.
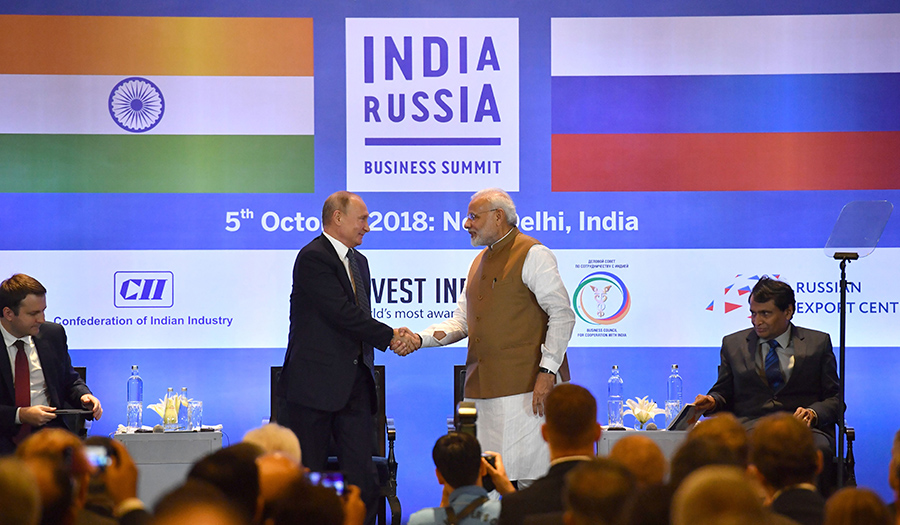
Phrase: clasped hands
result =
(405, 341)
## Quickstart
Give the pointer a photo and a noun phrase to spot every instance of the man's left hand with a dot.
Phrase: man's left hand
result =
(806, 415)
(89, 401)
(542, 387)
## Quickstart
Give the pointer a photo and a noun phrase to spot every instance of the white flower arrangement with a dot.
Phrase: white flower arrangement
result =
(643, 409)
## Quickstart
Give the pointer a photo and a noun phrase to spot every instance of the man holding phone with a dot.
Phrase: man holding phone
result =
(37, 377)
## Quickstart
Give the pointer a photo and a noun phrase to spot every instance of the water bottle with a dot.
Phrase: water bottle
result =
(170, 410)
(614, 405)
(183, 423)
(134, 404)
(673, 399)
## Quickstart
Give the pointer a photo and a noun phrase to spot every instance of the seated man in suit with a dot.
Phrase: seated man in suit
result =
(459, 467)
(786, 462)
(778, 367)
(37, 376)
(571, 432)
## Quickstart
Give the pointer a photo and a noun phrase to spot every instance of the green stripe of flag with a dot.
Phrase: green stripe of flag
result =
(156, 163)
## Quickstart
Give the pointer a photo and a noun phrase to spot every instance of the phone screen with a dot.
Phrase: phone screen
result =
(330, 479)
(97, 456)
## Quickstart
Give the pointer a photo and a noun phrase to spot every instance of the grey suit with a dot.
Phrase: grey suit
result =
(743, 390)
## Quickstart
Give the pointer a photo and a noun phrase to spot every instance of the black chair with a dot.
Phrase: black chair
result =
(74, 421)
(383, 436)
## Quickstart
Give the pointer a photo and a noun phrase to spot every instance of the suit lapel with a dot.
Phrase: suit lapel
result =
(750, 357)
(45, 354)
(6, 374)
(801, 351)
(341, 270)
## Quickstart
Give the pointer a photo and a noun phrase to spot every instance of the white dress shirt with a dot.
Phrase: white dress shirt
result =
(38, 384)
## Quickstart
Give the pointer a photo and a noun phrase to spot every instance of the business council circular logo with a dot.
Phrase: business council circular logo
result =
(136, 104)
(601, 298)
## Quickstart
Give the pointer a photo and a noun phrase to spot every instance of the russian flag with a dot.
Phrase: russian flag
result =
(156, 104)
(726, 103)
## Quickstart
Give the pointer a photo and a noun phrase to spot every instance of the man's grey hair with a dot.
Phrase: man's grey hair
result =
(499, 199)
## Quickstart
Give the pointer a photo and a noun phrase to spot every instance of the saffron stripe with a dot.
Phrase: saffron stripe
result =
(727, 162)
(125, 45)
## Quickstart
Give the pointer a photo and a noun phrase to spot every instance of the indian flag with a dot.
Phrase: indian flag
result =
(156, 104)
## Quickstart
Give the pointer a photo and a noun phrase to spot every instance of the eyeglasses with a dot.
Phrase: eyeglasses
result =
(474, 216)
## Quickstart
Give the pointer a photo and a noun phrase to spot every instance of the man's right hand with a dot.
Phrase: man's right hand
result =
(37, 415)
(704, 403)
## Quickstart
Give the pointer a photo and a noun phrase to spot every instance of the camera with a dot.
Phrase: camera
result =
(329, 479)
(486, 481)
(465, 417)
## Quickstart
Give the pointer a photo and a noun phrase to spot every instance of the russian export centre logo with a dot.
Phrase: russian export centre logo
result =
(432, 104)
(144, 289)
(735, 294)
(601, 298)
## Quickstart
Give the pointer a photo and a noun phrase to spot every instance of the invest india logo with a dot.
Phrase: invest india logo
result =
(601, 298)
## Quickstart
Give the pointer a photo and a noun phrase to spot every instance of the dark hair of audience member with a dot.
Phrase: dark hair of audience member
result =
(783, 450)
(726, 429)
(306, 503)
(696, 453)
(56, 488)
(20, 500)
(598, 490)
(571, 414)
(233, 470)
(649, 506)
(856, 506)
(457, 456)
(195, 496)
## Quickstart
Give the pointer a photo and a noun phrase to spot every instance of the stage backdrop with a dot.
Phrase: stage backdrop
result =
(163, 162)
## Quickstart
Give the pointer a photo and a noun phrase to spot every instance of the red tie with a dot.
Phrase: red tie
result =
(23, 387)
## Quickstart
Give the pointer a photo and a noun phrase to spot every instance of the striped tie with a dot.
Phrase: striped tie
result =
(773, 370)
(362, 298)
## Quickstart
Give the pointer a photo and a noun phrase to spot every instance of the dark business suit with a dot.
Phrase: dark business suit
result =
(806, 507)
(64, 385)
(743, 390)
(543, 496)
(326, 387)
(742, 387)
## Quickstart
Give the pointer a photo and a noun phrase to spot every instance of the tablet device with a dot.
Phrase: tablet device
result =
(73, 411)
(685, 418)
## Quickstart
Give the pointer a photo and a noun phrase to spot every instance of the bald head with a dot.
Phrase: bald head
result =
(715, 492)
(642, 457)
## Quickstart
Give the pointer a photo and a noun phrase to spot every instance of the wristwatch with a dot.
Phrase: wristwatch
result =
(546, 371)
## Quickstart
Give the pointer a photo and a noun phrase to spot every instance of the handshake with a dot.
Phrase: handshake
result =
(405, 341)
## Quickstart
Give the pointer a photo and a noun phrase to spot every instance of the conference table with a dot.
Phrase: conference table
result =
(164, 458)
(667, 440)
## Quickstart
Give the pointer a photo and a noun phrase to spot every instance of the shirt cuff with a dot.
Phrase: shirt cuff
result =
(127, 505)
(18, 421)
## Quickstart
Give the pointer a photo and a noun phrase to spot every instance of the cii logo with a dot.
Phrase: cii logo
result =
(143, 290)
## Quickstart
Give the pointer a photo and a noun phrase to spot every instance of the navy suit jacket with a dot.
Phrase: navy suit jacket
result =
(64, 385)
(742, 390)
(542, 497)
(328, 330)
